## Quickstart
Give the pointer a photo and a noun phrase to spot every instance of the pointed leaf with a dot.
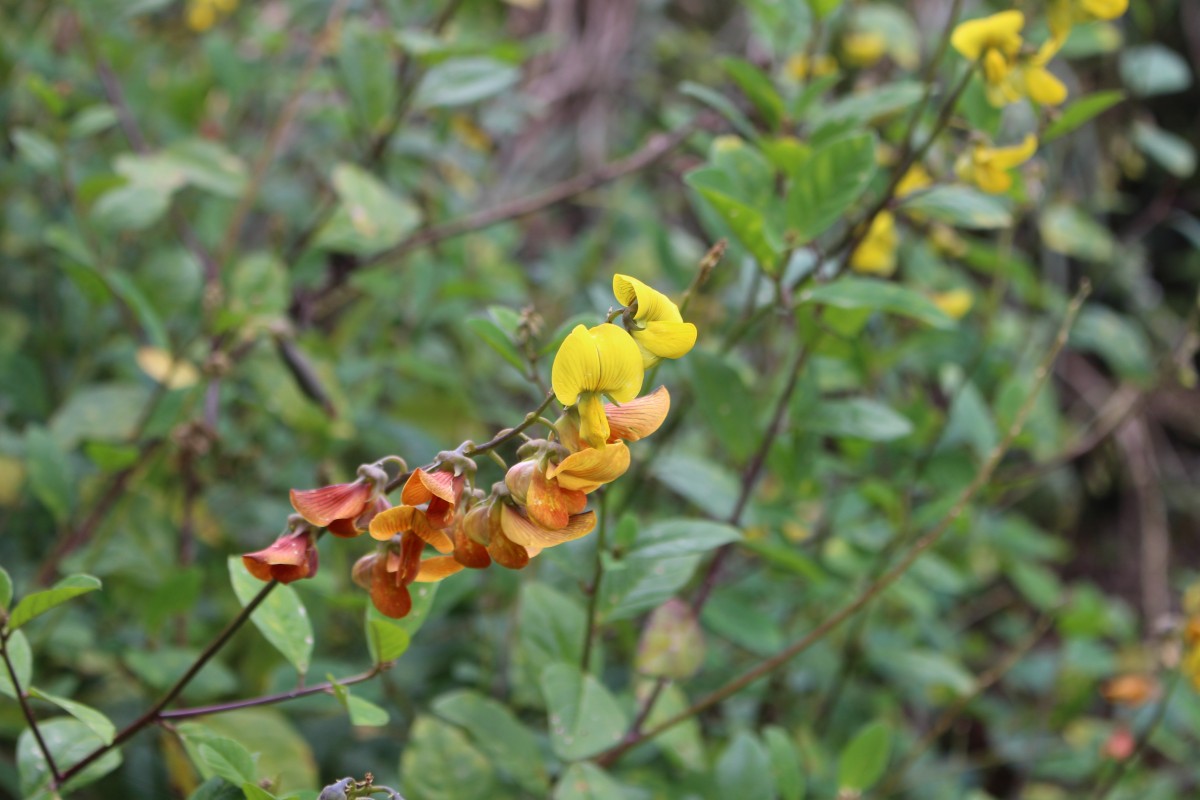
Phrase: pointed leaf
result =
(828, 183)
(281, 618)
(584, 717)
(97, 723)
(40, 602)
(863, 761)
(879, 295)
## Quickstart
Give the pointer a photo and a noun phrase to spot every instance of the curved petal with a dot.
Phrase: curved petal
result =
(638, 418)
(667, 339)
(620, 362)
(389, 592)
(422, 486)
(576, 366)
(523, 531)
(506, 553)
(1043, 88)
(652, 305)
(1105, 9)
(431, 535)
(469, 552)
(340, 501)
(387, 524)
(593, 423)
(547, 504)
(992, 180)
(1002, 31)
(437, 568)
(1009, 157)
(590, 469)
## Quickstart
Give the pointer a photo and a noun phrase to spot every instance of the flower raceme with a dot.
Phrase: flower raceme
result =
(542, 502)
(989, 167)
(995, 43)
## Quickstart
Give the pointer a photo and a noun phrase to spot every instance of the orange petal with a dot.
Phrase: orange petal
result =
(547, 504)
(638, 418)
(506, 553)
(437, 568)
(468, 552)
(422, 486)
(291, 557)
(518, 479)
(523, 531)
(387, 524)
(362, 570)
(389, 592)
(431, 535)
(340, 501)
(477, 523)
(589, 469)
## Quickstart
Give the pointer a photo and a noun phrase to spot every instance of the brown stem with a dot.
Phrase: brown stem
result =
(278, 697)
(892, 575)
(56, 776)
(154, 713)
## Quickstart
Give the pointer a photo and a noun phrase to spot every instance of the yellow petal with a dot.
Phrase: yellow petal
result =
(992, 180)
(652, 305)
(1009, 157)
(589, 469)
(1043, 88)
(437, 568)
(522, 531)
(638, 418)
(862, 49)
(665, 340)
(1060, 18)
(170, 372)
(1105, 9)
(576, 366)
(916, 178)
(1001, 31)
(954, 303)
(593, 424)
(995, 67)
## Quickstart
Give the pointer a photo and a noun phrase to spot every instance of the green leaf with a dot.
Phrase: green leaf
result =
(69, 741)
(440, 763)
(863, 761)
(207, 165)
(462, 81)
(258, 289)
(828, 183)
(499, 734)
(870, 105)
(50, 474)
(386, 640)
(586, 781)
(1116, 339)
(217, 789)
(879, 295)
(1040, 586)
(96, 722)
(682, 743)
(228, 759)
(584, 717)
(758, 89)
(745, 222)
(550, 627)
(422, 604)
(727, 405)
(131, 207)
(278, 748)
(709, 486)
(6, 589)
(1173, 153)
(107, 412)
(661, 561)
(858, 418)
(281, 618)
(1069, 230)
(785, 764)
(362, 712)
(1153, 69)
(672, 643)
(35, 149)
(722, 105)
(92, 120)
(365, 64)
(255, 792)
(1081, 112)
(22, 661)
(369, 217)
(960, 206)
(744, 770)
(498, 340)
(823, 8)
(40, 602)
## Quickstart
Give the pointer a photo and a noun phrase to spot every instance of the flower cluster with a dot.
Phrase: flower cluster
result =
(597, 376)
(203, 14)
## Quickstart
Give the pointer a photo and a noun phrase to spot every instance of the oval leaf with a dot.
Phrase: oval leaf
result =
(281, 618)
(40, 602)
(584, 717)
(865, 758)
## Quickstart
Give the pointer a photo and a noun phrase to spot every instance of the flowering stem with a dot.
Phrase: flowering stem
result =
(928, 540)
(155, 712)
(594, 589)
(509, 434)
(23, 700)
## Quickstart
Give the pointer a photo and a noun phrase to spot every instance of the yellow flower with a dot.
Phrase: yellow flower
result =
(993, 42)
(876, 255)
(604, 360)
(201, 15)
(659, 329)
(863, 49)
(954, 303)
(799, 67)
(1036, 82)
(1062, 14)
(915, 179)
(988, 167)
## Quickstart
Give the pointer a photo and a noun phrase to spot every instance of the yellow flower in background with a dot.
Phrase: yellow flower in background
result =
(915, 179)
(604, 360)
(988, 167)
(863, 49)
(993, 42)
(1037, 82)
(876, 255)
(1063, 14)
(799, 67)
(202, 14)
(954, 303)
(659, 329)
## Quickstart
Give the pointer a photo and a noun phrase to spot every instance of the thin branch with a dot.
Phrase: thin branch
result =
(278, 697)
(154, 713)
(892, 575)
(23, 701)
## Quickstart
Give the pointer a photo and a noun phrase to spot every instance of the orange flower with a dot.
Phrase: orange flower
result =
(1130, 690)
(291, 557)
(344, 508)
(441, 490)
(520, 530)
(589, 469)
(546, 503)
(630, 421)
(406, 519)
(387, 573)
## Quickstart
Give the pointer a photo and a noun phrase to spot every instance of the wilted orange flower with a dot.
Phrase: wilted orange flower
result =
(346, 509)
(387, 573)
(1130, 690)
(289, 558)
(409, 520)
